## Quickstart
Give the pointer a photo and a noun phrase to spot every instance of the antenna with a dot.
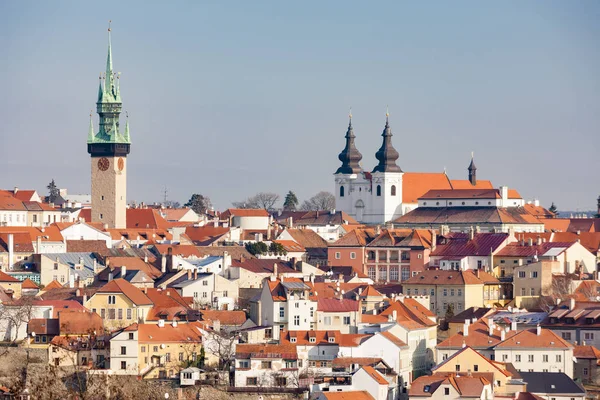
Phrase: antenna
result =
(165, 192)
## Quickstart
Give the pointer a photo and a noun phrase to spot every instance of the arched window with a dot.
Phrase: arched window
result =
(378, 190)
(393, 190)
(341, 191)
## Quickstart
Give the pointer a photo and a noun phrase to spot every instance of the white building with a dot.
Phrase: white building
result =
(82, 231)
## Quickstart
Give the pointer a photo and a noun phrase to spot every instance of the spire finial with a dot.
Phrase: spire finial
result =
(91, 129)
(109, 77)
(472, 155)
(109, 22)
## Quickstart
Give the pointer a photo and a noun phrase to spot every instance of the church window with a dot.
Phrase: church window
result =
(102, 197)
(341, 191)
(393, 190)
(378, 190)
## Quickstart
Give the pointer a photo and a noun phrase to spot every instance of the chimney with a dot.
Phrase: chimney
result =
(341, 278)
(539, 240)
(77, 292)
(195, 273)
(39, 245)
(312, 279)
(466, 329)
(163, 263)
(290, 223)
(84, 298)
(95, 266)
(538, 330)
(275, 269)
(502, 334)
(174, 323)
(471, 233)
(71, 281)
(11, 250)
(146, 259)
(390, 318)
(513, 325)
(189, 274)
(433, 239)
(217, 326)
(394, 315)
(530, 242)
(161, 323)
(571, 304)
(110, 276)
(16, 190)
(491, 326)
(504, 195)
(123, 271)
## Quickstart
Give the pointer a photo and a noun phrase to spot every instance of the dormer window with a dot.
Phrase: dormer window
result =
(313, 340)
(332, 339)
(292, 340)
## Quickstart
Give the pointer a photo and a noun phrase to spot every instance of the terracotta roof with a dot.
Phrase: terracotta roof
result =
(145, 218)
(348, 395)
(7, 278)
(529, 339)
(461, 194)
(52, 285)
(517, 250)
(43, 326)
(87, 246)
(278, 291)
(184, 251)
(538, 211)
(205, 235)
(375, 375)
(236, 252)
(323, 218)
(409, 314)
(304, 337)
(181, 333)
(589, 240)
(469, 314)
(336, 305)
(345, 362)
(463, 215)
(245, 212)
(330, 289)
(149, 235)
(47, 234)
(11, 204)
(482, 244)
(21, 242)
(290, 245)
(175, 214)
(589, 352)
(370, 291)
(122, 286)
(444, 277)
(24, 195)
(226, 317)
(264, 266)
(372, 319)
(466, 184)
(353, 339)
(393, 338)
(466, 386)
(130, 264)
(478, 337)
(356, 238)
(78, 322)
(284, 350)
(168, 305)
(29, 284)
(416, 184)
(307, 238)
(74, 294)
(556, 224)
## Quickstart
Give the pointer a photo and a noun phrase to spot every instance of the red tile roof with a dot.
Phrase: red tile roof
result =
(393, 338)
(245, 212)
(184, 251)
(356, 238)
(181, 333)
(264, 266)
(24, 195)
(78, 322)
(308, 238)
(409, 314)
(416, 184)
(284, 350)
(336, 305)
(349, 395)
(205, 235)
(145, 218)
(122, 286)
(526, 339)
(349, 361)
(482, 244)
(466, 184)
(87, 246)
(29, 284)
(517, 250)
(588, 352)
(290, 246)
(226, 317)
(304, 337)
(7, 278)
(442, 277)
(52, 285)
(375, 375)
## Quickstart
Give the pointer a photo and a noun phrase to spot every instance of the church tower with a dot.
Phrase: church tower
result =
(387, 180)
(109, 149)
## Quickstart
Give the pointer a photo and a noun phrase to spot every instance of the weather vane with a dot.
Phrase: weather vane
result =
(109, 21)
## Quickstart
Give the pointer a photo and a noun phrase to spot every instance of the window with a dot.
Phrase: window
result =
(521, 274)
(475, 367)
(451, 292)
(585, 371)
(534, 274)
(545, 358)
(297, 304)
(558, 358)
(123, 363)
(111, 313)
(281, 381)
(522, 291)
(405, 273)
(243, 364)
(566, 335)
(432, 293)
(268, 333)
(129, 316)
(327, 320)
(312, 312)
(102, 313)
(517, 357)
(394, 274)
(445, 292)
(383, 273)
(352, 255)
(341, 191)
(312, 340)
(100, 216)
(130, 335)
(378, 190)
(393, 190)
(479, 264)
(205, 283)
(168, 357)
(532, 292)
(338, 255)
(143, 349)
(371, 273)
(296, 320)
(155, 349)
(588, 336)
(265, 364)
(459, 306)
(530, 358)
(281, 312)
(123, 350)
(459, 291)
(504, 357)
(55, 266)
(120, 313)
(112, 299)
(408, 292)
(447, 391)
(346, 320)
(292, 340)
(457, 367)
(251, 381)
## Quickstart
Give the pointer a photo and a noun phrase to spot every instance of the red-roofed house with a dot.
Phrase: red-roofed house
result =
(247, 219)
(270, 365)
(338, 314)
(369, 379)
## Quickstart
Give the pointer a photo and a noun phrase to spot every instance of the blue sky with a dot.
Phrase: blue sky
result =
(231, 98)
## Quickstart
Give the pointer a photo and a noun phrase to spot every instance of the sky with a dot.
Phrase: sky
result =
(228, 99)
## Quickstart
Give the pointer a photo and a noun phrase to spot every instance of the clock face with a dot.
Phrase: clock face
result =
(121, 164)
(103, 164)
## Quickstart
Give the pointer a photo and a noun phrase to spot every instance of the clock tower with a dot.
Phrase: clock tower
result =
(109, 149)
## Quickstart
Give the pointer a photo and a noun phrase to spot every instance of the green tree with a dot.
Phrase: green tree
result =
(257, 248)
(291, 201)
(277, 248)
(553, 208)
(53, 192)
(198, 203)
(202, 358)
(448, 316)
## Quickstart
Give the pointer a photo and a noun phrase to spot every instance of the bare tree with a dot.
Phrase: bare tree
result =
(560, 288)
(14, 316)
(320, 201)
(264, 200)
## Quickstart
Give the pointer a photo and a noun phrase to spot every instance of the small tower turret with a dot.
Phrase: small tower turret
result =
(350, 156)
(387, 154)
(472, 172)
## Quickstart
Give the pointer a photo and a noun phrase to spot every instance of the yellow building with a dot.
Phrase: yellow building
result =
(120, 304)
(532, 281)
(458, 289)
(10, 285)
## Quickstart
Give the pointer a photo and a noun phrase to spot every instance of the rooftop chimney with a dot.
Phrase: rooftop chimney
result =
(513, 325)
(163, 263)
(394, 315)
(502, 334)
(161, 323)
(466, 329)
(146, 258)
(491, 326)
(189, 274)
(123, 271)
(110, 276)
(571, 304)
(11, 248)
(538, 330)
(275, 269)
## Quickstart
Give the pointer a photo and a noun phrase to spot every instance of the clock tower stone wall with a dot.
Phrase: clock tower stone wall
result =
(109, 191)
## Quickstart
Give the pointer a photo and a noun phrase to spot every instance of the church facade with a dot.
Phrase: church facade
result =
(387, 192)
(108, 149)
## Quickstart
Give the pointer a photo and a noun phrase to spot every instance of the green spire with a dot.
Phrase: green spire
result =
(91, 131)
(109, 84)
(126, 134)
(100, 88)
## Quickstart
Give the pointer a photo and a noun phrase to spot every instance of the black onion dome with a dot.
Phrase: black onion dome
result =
(472, 166)
(350, 156)
(387, 154)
